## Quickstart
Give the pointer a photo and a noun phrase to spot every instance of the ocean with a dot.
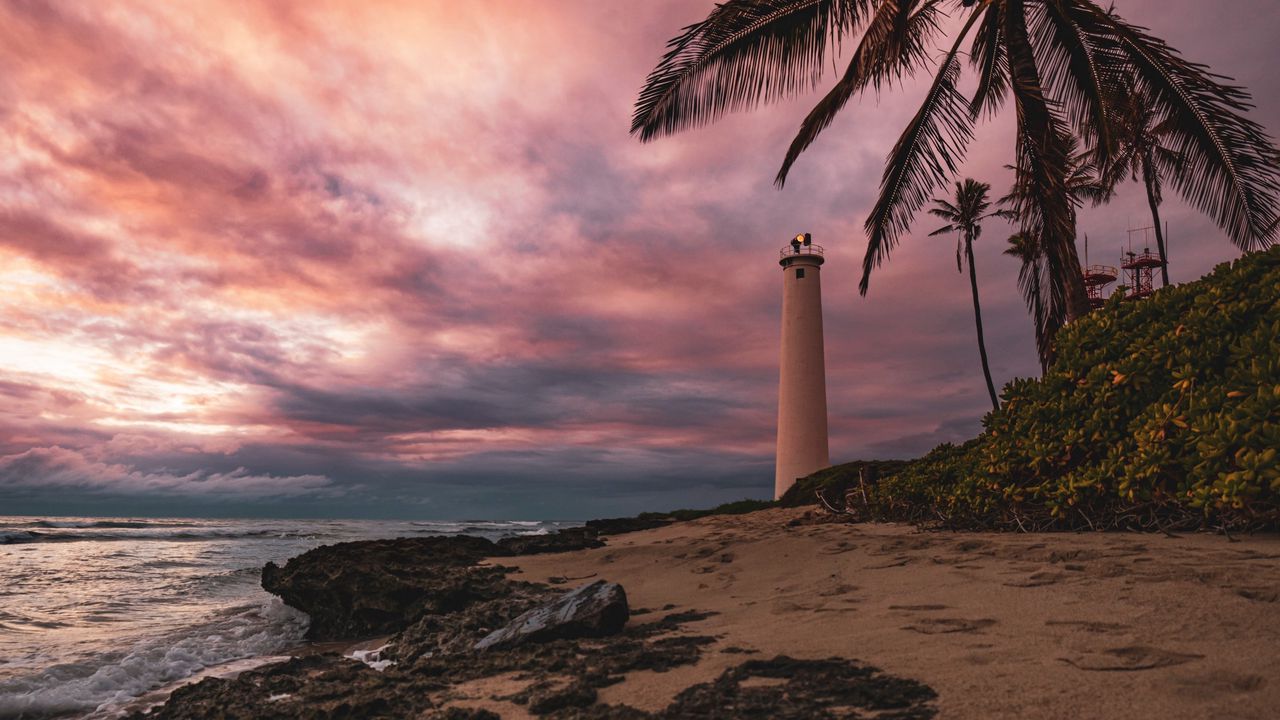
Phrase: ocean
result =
(96, 613)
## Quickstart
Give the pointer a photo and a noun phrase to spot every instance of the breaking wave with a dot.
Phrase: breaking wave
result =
(71, 535)
(109, 680)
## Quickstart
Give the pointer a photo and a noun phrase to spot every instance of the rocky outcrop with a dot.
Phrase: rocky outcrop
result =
(618, 526)
(375, 587)
(564, 678)
(595, 610)
(566, 540)
(563, 647)
(361, 589)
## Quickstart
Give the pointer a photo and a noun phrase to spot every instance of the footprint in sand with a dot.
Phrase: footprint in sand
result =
(790, 606)
(837, 589)
(896, 546)
(1268, 595)
(972, 545)
(1217, 682)
(943, 626)
(838, 548)
(1255, 555)
(1038, 579)
(1128, 659)
(1089, 625)
(896, 562)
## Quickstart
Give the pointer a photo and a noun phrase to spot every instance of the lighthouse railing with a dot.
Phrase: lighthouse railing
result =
(790, 250)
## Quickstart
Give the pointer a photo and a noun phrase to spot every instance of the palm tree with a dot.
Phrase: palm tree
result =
(964, 217)
(1061, 61)
(1026, 249)
(1082, 183)
(1144, 151)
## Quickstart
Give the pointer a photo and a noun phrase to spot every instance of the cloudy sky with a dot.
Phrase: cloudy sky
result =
(403, 259)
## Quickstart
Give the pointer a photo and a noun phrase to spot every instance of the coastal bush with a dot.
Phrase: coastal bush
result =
(737, 507)
(834, 482)
(1162, 413)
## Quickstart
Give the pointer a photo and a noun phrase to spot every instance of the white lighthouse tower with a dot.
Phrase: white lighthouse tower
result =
(802, 385)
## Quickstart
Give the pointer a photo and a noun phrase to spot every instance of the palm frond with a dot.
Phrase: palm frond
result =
(746, 52)
(945, 209)
(893, 44)
(1026, 248)
(1042, 202)
(1232, 167)
(1168, 163)
(1080, 68)
(989, 57)
(1085, 181)
(926, 154)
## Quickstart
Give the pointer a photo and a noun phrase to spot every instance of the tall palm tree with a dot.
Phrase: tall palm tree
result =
(1145, 152)
(1062, 62)
(1026, 249)
(964, 217)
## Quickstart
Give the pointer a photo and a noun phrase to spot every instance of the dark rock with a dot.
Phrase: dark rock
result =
(375, 587)
(451, 633)
(803, 689)
(457, 713)
(327, 686)
(594, 610)
(618, 526)
(318, 687)
(565, 540)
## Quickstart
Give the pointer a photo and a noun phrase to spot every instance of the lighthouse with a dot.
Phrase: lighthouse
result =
(802, 384)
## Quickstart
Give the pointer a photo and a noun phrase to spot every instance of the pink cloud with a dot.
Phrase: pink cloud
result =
(408, 234)
(61, 469)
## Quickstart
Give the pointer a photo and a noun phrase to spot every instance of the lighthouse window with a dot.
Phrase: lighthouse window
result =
(799, 273)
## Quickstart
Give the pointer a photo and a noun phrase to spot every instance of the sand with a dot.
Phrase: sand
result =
(1081, 625)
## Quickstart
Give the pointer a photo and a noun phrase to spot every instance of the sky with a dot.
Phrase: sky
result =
(403, 259)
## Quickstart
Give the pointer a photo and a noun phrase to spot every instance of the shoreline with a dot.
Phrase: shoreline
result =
(998, 625)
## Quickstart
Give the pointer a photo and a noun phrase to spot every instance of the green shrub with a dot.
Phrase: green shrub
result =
(737, 507)
(1162, 413)
(835, 481)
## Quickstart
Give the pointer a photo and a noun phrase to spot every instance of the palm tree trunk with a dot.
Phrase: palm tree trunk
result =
(1149, 179)
(977, 316)
(1037, 316)
(1077, 299)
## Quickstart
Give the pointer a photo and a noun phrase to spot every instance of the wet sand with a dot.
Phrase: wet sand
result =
(1078, 625)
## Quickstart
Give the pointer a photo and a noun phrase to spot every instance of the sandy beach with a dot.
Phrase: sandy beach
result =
(1105, 625)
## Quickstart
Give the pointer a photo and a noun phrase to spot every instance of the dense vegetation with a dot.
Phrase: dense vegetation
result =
(1157, 414)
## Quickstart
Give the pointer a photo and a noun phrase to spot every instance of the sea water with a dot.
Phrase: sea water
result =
(97, 612)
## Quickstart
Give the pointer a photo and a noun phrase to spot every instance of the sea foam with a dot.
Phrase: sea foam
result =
(100, 685)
